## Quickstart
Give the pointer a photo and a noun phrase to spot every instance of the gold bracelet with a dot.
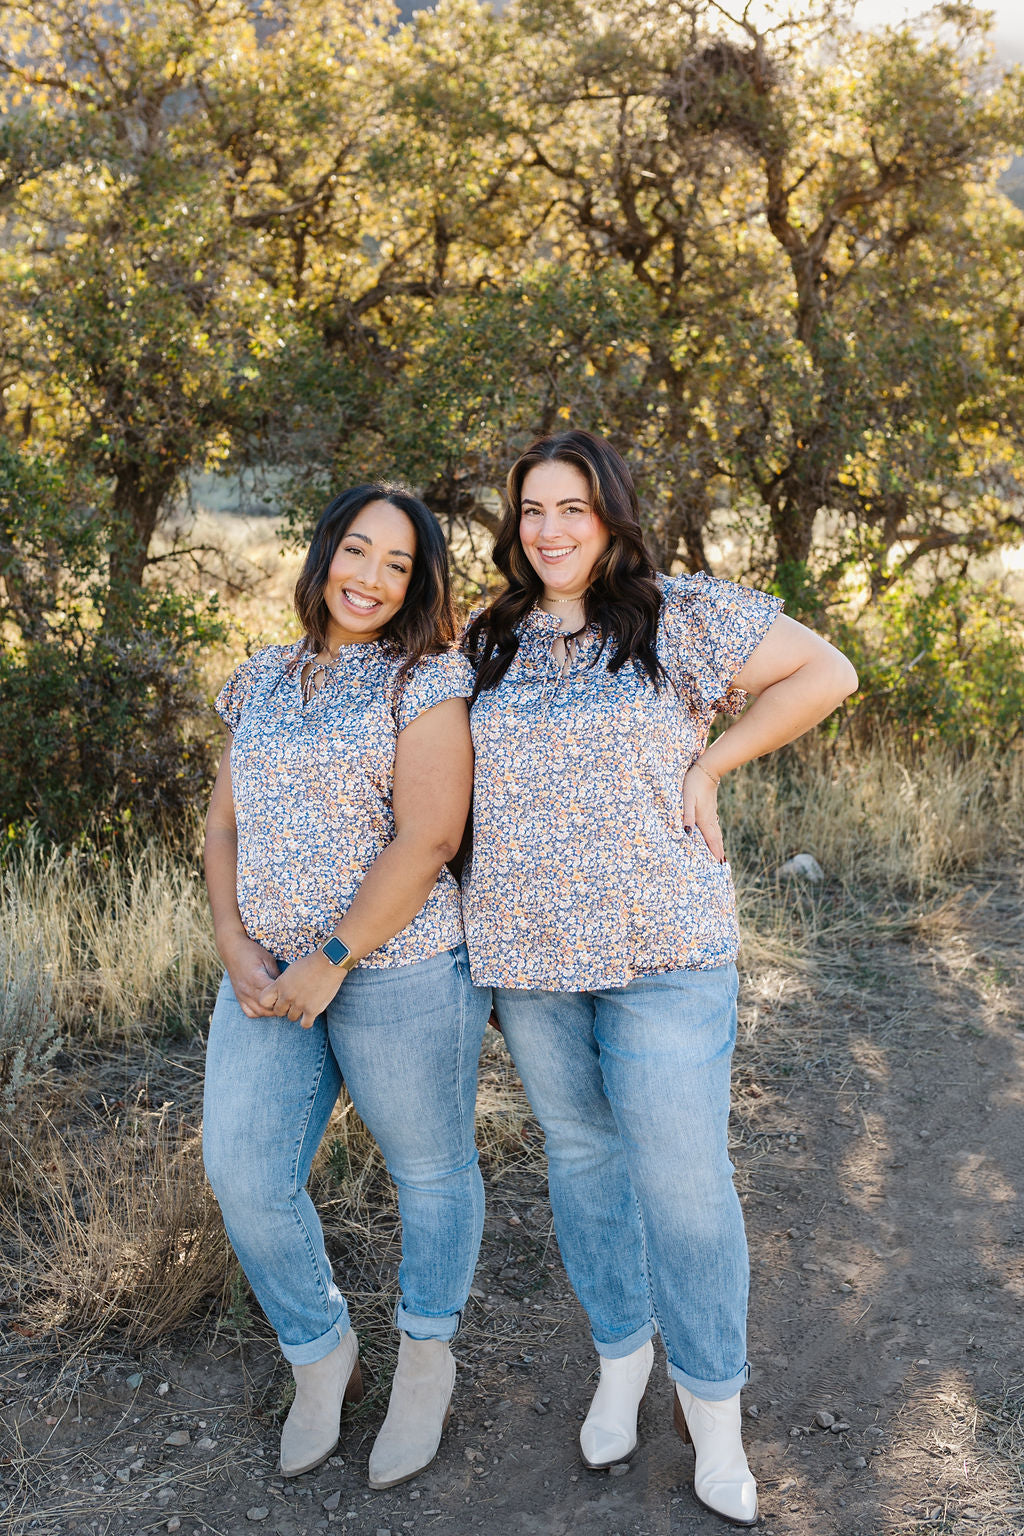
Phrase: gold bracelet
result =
(705, 771)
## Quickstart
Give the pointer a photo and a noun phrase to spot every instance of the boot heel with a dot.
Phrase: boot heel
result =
(679, 1420)
(354, 1392)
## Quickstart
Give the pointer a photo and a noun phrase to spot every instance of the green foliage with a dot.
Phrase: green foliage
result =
(104, 725)
(783, 280)
(945, 665)
(773, 276)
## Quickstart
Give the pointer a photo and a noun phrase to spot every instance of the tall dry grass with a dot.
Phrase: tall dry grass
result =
(129, 949)
(873, 820)
(894, 840)
(124, 938)
(28, 1024)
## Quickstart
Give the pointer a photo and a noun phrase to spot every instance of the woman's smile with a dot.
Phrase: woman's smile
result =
(358, 601)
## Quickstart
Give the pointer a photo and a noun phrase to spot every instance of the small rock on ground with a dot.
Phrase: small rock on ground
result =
(804, 865)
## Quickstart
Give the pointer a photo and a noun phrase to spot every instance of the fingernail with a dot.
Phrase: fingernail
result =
(687, 829)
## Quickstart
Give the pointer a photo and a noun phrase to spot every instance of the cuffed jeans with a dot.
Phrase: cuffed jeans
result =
(631, 1088)
(406, 1041)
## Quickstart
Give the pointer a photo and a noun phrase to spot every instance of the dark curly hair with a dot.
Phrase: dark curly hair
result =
(623, 599)
(426, 622)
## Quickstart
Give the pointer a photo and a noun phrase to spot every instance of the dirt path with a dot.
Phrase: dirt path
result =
(880, 1146)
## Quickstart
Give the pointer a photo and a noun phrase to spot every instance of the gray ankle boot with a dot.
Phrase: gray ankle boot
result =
(310, 1431)
(421, 1396)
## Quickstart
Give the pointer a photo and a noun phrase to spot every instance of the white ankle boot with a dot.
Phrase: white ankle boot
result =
(608, 1434)
(310, 1431)
(721, 1478)
(421, 1396)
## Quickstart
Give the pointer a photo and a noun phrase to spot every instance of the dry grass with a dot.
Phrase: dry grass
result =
(113, 1233)
(895, 841)
(129, 948)
(872, 820)
(128, 945)
(28, 1026)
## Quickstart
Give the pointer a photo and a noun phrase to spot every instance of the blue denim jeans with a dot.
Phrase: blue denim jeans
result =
(631, 1087)
(406, 1042)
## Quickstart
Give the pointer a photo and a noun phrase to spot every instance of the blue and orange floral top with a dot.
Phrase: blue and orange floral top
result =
(312, 786)
(582, 876)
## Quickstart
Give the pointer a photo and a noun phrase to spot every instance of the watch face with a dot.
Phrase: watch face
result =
(335, 950)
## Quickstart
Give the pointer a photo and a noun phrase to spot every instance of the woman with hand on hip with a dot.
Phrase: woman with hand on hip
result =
(345, 789)
(600, 907)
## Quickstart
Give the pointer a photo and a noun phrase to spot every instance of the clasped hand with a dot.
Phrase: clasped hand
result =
(303, 991)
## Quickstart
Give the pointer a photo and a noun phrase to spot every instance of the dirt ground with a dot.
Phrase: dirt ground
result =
(879, 1141)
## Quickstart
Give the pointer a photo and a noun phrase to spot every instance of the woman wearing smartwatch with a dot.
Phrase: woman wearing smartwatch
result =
(344, 790)
(600, 908)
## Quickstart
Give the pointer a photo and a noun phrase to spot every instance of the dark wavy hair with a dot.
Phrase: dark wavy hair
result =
(426, 622)
(623, 599)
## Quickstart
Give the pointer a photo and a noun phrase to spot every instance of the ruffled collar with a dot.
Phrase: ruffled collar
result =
(360, 652)
(538, 630)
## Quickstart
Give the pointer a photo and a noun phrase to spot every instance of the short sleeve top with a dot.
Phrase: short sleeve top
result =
(582, 876)
(312, 788)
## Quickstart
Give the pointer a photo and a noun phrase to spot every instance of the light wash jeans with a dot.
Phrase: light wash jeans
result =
(631, 1087)
(406, 1041)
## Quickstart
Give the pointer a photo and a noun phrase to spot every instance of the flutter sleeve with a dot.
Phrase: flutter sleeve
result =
(711, 628)
(433, 680)
(240, 686)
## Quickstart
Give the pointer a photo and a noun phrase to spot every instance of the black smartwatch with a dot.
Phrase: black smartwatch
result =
(338, 953)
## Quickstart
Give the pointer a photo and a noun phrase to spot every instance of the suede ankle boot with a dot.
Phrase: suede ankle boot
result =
(310, 1431)
(418, 1410)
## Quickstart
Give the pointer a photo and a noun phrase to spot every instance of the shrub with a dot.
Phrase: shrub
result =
(940, 666)
(105, 726)
(124, 1236)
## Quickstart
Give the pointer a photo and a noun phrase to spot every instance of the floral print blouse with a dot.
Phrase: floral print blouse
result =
(582, 876)
(312, 787)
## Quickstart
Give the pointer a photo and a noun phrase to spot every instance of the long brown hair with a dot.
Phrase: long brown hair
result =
(426, 621)
(623, 599)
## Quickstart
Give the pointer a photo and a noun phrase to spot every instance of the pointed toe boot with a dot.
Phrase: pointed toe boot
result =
(608, 1434)
(418, 1410)
(310, 1431)
(722, 1481)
